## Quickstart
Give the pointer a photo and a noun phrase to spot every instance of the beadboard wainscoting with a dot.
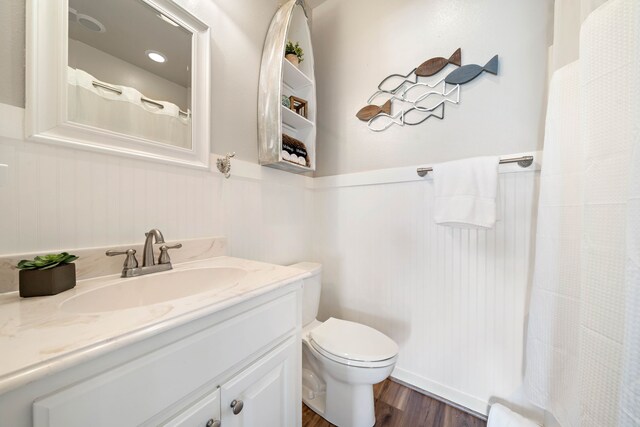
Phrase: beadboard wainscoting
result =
(455, 300)
(57, 198)
(267, 214)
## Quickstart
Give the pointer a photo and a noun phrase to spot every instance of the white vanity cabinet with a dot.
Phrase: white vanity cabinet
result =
(205, 412)
(262, 395)
(188, 376)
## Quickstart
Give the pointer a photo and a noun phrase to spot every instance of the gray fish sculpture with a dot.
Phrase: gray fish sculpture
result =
(466, 73)
(435, 65)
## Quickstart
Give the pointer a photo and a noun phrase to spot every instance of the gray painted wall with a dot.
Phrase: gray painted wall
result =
(12, 52)
(356, 43)
(359, 42)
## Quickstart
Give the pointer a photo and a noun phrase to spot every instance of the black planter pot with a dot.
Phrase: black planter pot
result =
(38, 283)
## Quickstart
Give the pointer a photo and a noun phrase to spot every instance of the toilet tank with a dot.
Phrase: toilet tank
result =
(310, 290)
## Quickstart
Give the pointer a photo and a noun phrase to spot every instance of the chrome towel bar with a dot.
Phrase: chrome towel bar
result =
(523, 162)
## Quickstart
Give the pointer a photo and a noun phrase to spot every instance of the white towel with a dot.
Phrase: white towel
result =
(465, 192)
(501, 416)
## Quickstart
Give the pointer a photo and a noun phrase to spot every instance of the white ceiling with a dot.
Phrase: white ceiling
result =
(133, 27)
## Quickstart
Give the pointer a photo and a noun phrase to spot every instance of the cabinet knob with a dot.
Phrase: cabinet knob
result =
(237, 406)
(213, 423)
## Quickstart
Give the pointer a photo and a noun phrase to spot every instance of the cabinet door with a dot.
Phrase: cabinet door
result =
(265, 394)
(204, 413)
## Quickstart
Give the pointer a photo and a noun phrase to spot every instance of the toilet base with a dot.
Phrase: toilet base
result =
(348, 406)
(317, 404)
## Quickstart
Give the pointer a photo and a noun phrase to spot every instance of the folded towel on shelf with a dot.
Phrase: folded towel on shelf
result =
(465, 192)
(501, 416)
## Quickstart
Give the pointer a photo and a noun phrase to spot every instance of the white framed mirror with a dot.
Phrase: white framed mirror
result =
(128, 77)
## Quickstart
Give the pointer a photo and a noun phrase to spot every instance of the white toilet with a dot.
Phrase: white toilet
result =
(341, 361)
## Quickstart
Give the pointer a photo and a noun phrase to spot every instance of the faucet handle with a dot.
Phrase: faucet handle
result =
(164, 253)
(130, 261)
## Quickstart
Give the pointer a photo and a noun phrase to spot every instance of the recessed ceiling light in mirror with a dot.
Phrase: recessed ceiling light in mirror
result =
(156, 56)
(90, 23)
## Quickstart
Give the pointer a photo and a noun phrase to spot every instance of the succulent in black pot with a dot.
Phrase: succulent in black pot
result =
(47, 275)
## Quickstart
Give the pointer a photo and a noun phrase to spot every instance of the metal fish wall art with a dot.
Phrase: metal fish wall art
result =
(410, 94)
(420, 102)
(452, 96)
(392, 83)
(419, 106)
(410, 117)
(403, 95)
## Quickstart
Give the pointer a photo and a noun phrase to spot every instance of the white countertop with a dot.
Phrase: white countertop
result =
(37, 338)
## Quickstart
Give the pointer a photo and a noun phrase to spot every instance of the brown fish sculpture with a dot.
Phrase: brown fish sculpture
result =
(370, 111)
(435, 65)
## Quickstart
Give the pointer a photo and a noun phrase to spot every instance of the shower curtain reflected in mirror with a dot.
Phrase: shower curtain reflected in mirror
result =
(125, 112)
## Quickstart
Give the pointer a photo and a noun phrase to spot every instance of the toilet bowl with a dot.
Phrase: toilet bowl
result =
(341, 360)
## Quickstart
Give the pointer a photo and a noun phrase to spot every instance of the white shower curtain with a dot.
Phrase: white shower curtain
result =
(125, 113)
(583, 340)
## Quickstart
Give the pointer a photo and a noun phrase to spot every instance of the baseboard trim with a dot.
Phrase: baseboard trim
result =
(456, 398)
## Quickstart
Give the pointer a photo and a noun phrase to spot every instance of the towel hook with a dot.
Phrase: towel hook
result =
(224, 164)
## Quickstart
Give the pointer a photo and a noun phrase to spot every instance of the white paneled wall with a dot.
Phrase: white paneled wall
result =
(267, 215)
(58, 198)
(453, 299)
(63, 199)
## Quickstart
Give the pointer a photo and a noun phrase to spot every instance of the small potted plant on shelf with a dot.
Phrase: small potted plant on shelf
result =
(294, 53)
(47, 275)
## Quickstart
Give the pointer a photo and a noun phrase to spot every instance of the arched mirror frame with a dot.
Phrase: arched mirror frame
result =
(46, 118)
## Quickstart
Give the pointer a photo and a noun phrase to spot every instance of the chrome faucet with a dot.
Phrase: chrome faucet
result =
(130, 267)
(147, 255)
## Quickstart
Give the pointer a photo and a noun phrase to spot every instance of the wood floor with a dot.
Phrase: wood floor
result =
(399, 406)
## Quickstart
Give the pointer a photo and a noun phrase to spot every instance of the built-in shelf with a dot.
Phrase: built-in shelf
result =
(296, 165)
(278, 78)
(295, 120)
(293, 77)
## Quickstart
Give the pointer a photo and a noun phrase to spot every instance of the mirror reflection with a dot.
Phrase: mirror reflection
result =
(129, 71)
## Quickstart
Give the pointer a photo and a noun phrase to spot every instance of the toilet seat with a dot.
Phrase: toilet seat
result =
(349, 362)
(353, 344)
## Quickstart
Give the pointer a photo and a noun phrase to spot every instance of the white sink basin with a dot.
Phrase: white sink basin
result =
(153, 289)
